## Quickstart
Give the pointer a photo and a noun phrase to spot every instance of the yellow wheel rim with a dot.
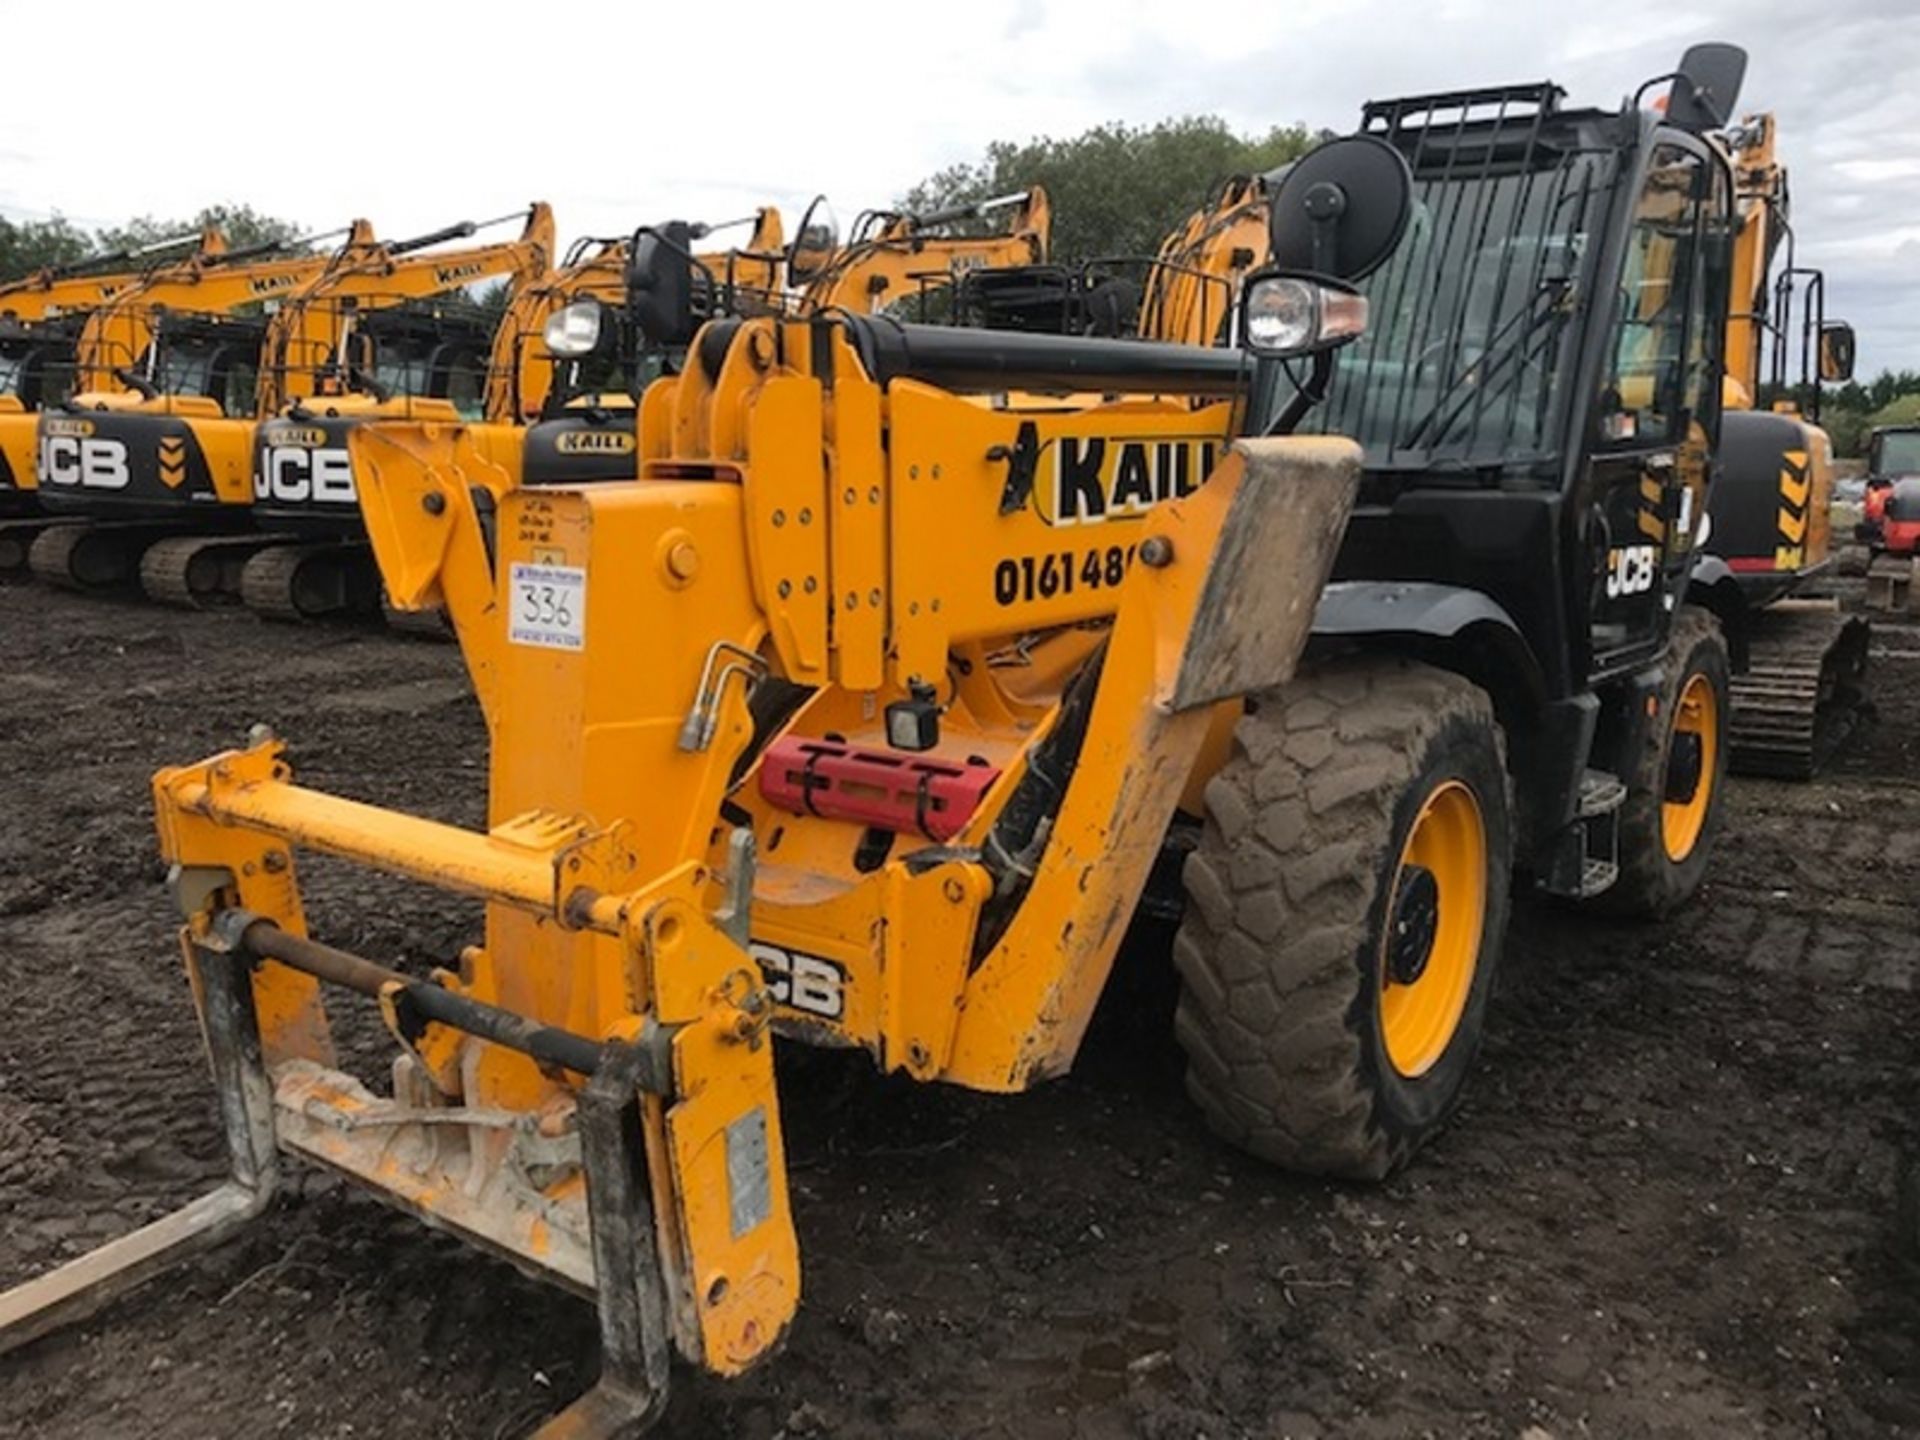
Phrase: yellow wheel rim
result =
(1681, 821)
(1436, 913)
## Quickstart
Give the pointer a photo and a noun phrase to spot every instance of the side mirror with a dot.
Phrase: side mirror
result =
(1706, 87)
(1336, 215)
(814, 243)
(660, 283)
(1837, 349)
(1340, 209)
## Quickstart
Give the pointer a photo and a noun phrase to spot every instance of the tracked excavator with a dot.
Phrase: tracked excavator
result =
(588, 430)
(208, 305)
(372, 328)
(1185, 291)
(43, 320)
(388, 339)
(333, 570)
(863, 715)
(1802, 685)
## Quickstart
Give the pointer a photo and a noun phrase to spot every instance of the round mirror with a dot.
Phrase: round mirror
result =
(1340, 209)
(813, 243)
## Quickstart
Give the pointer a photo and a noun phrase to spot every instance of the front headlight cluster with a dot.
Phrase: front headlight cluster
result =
(574, 330)
(1291, 315)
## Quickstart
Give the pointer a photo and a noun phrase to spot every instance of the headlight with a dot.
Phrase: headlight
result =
(574, 330)
(1288, 315)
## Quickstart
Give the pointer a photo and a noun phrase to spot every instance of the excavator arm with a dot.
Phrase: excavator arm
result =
(1191, 286)
(904, 259)
(521, 371)
(91, 283)
(118, 334)
(309, 332)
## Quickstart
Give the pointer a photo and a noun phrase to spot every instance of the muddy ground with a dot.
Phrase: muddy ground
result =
(1667, 1208)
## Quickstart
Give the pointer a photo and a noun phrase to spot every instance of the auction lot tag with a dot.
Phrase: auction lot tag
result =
(548, 606)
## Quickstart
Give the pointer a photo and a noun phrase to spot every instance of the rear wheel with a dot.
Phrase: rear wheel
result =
(1350, 891)
(1672, 812)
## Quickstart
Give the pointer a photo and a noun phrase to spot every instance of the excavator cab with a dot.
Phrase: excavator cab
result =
(36, 361)
(201, 357)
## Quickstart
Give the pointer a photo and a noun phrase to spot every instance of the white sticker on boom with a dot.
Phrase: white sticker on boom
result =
(547, 605)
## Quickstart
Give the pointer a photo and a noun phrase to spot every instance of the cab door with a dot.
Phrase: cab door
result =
(1658, 408)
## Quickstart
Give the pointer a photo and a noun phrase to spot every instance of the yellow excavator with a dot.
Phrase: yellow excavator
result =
(1190, 290)
(364, 331)
(44, 331)
(587, 432)
(1769, 543)
(303, 475)
(1185, 293)
(863, 715)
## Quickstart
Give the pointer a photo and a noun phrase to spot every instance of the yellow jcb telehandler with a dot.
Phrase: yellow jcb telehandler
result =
(861, 717)
(570, 363)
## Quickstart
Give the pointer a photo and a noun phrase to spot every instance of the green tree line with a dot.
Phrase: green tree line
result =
(30, 245)
(1116, 189)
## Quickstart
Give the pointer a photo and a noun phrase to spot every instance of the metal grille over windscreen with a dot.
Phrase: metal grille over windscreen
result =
(1458, 363)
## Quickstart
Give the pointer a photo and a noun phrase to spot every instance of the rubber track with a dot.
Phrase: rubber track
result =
(1801, 694)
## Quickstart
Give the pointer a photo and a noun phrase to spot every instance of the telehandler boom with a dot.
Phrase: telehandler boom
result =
(863, 714)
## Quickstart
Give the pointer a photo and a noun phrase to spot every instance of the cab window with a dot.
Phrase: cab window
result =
(1661, 371)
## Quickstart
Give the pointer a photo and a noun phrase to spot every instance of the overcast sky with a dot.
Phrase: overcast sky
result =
(418, 114)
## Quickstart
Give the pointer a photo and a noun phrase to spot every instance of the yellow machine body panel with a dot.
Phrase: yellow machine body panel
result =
(806, 550)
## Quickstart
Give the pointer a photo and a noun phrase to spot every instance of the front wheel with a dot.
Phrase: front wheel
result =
(1671, 816)
(1350, 890)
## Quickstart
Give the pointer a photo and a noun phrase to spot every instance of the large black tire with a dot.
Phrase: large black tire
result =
(1653, 879)
(1283, 950)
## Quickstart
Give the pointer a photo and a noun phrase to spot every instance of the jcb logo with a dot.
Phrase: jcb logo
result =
(84, 461)
(1116, 477)
(803, 982)
(295, 474)
(594, 442)
(1631, 570)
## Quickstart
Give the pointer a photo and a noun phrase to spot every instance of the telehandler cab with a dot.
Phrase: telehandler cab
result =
(863, 715)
